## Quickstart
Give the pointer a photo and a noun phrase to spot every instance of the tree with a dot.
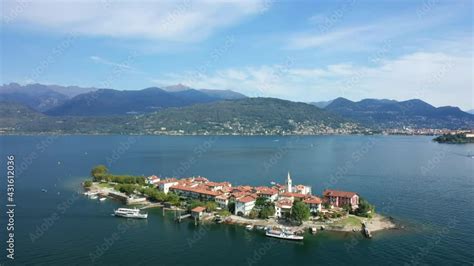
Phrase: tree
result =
(211, 206)
(260, 201)
(224, 213)
(326, 205)
(172, 198)
(300, 212)
(267, 211)
(253, 214)
(87, 183)
(125, 188)
(365, 209)
(99, 171)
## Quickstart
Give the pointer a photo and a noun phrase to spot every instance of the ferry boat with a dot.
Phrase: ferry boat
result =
(130, 213)
(283, 235)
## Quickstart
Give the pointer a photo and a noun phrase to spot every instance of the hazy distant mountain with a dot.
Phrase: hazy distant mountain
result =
(115, 102)
(394, 114)
(221, 94)
(35, 96)
(224, 94)
(321, 104)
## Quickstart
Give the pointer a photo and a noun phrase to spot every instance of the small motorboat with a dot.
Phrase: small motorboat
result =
(249, 227)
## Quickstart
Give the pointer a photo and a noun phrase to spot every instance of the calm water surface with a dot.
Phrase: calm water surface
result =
(428, 187)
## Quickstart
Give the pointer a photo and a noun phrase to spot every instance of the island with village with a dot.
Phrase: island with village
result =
(281, 210)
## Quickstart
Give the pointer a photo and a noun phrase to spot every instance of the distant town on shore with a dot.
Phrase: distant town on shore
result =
(180, 110)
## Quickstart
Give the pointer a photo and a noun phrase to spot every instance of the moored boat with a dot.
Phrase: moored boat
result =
(283, 235)
(130, 213)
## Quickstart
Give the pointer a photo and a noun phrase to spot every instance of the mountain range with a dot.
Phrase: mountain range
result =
(50, 108)
(416, 113)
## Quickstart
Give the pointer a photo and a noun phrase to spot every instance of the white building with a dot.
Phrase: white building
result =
(164, 185)
(283, 206)
(244, 205)
(302, 189)
(152, 180)
(222, 201)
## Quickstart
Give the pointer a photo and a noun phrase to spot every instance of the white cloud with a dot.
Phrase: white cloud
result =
(438, 78)
(330, 32)
(185, 20)
(103, 61)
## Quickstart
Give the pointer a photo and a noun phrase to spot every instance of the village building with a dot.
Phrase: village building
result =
(268, 193)
(164, 185)
(244, 205)
(195, 191)
(292, 196)
(302, 189)
(222, 201)
(198, 212)
(341, 198)
(283, 207)
(152, 180)
(314, 204)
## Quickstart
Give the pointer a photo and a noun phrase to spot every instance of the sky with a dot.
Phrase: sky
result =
(297, 50)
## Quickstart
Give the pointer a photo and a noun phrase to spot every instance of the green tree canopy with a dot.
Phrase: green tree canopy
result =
(172, 198)
(260, 201)
(365, 209)
(99, 170)
(267, 211)
(211, 206)
(300, 212)
(253, 214)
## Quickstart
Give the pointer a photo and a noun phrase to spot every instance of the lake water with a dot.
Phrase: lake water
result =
(428, 187)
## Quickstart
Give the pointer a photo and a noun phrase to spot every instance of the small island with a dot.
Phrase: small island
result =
(293, 207)
(456, 138)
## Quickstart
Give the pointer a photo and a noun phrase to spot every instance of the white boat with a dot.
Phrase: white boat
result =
(102, 199)
(249, 227)
(94, 197)
(130, 213)
(283, 235)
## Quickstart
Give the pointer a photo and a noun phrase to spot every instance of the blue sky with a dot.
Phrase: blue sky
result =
(297, 50)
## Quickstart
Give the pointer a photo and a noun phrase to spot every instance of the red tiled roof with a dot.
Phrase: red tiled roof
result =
(199, 190)
(312, 200)
(198, 209)
(168, 180)
(295, 195)
(284, 202)
(246, 199)
(266, 190)
(337, 193)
